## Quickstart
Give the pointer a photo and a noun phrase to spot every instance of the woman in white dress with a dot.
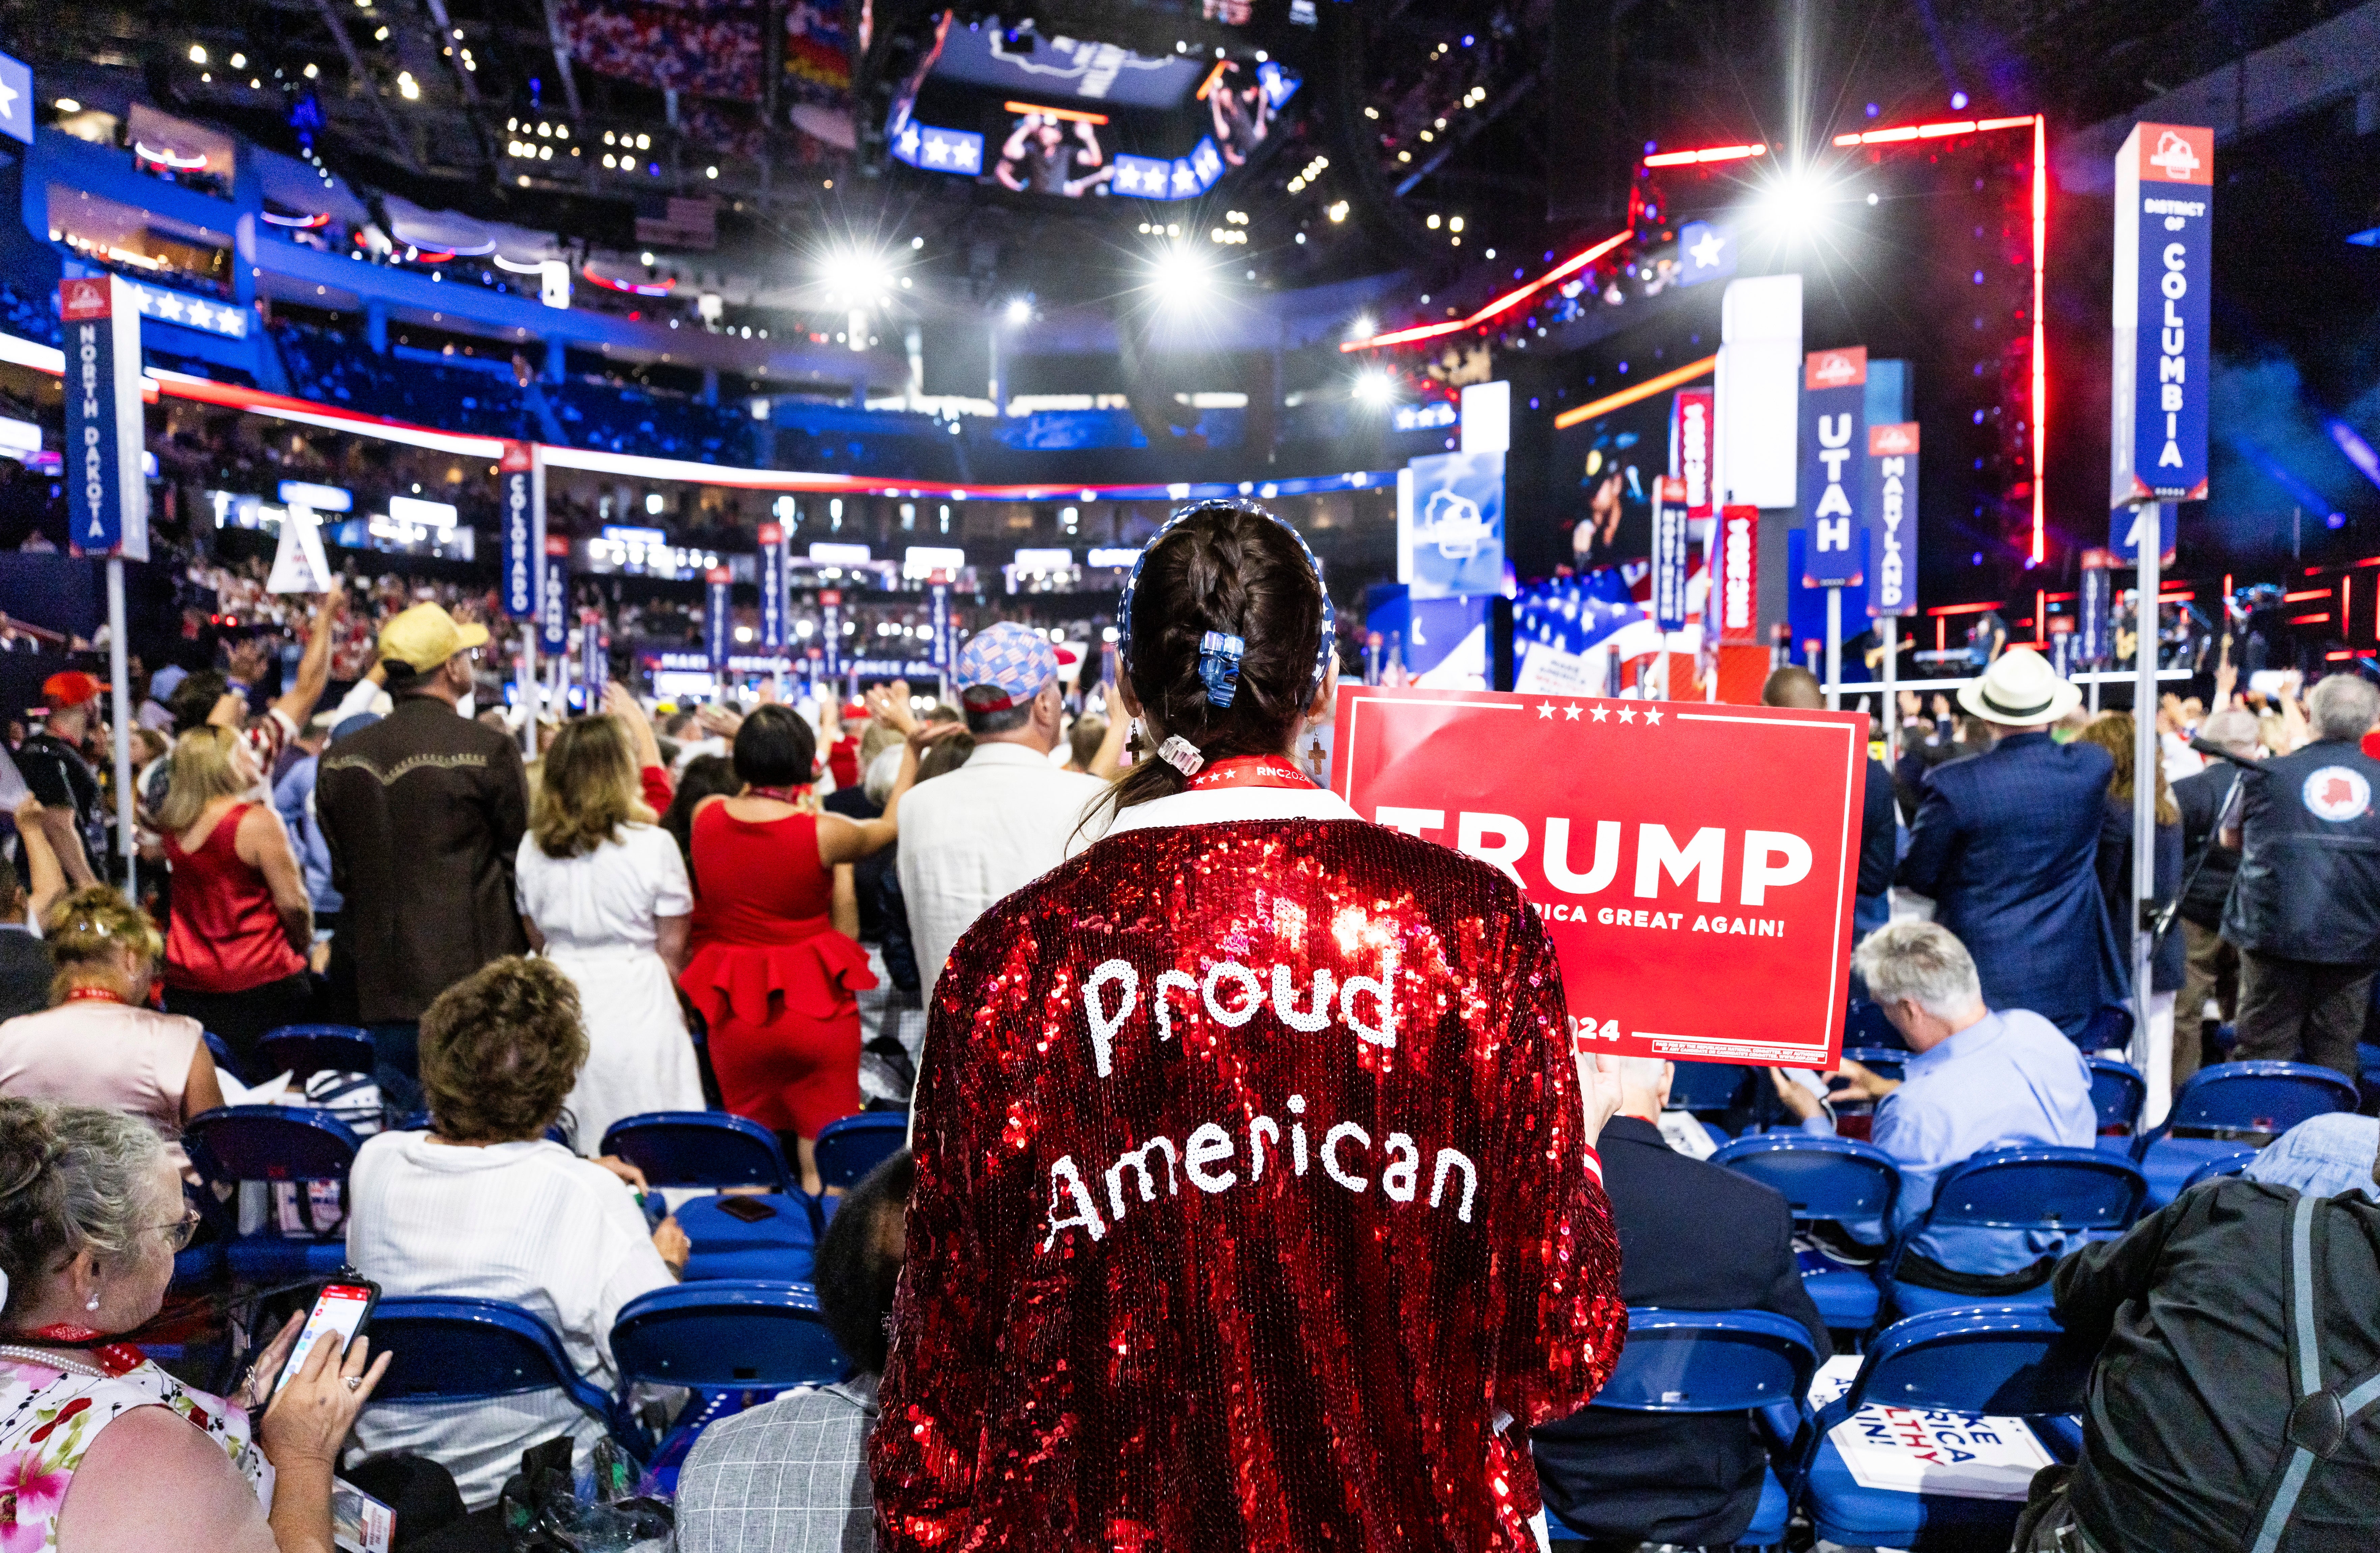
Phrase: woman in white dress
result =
(604, 893)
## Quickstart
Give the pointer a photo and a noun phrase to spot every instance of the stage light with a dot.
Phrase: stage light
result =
(1180, 275)
(197, 54)
(857, 276)
(68, 106)
(1373, 388)
(653, 503)
(1020, 310)
(917, 242)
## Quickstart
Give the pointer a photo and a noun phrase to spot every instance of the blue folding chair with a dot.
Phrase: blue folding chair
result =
(1885, 1062)
(1840, 1179)
(1706, 1087)
(1976, 1359)
(220, 1050)
(2261, 1098)
(710, 1148)
(850, 1146)
(2367, 1065)
(735, 1342)
(1729, 1361)
(471, 1350)
(2220, 1169)
(2118, 1093)
(1866, 1025)
(307, 1049)
(2050, 1190)
(276, 1144)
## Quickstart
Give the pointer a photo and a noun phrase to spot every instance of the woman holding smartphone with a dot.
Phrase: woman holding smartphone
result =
(101, 1451)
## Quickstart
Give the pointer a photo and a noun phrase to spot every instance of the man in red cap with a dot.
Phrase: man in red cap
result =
(52, 766)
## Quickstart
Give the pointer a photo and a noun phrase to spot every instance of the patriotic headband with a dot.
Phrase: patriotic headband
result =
(1212, 677)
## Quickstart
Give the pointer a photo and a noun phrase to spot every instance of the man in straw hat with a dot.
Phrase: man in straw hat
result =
(2007, 844)
(424, 811)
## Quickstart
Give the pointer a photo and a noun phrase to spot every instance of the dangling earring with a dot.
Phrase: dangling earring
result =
(1134, 747)
(1315, 757)
(91, 1304)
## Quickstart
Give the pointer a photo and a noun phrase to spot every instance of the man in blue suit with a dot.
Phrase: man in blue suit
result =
(2007, 844)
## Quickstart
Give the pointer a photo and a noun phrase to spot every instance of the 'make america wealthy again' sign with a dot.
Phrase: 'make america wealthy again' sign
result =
(1693, 863)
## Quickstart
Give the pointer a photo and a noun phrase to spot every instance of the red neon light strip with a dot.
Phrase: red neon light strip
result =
(2322, 619)
(2040, 331)
(2303, 594)
(2344, 598)
(1712, 153)
(1934, 131)
(238, 396)
(1939, 610)
(1505, 303)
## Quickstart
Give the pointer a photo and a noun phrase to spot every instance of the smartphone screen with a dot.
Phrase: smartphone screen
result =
(339, 1312)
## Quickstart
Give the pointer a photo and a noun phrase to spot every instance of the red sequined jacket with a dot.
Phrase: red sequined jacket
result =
(1252, 1210)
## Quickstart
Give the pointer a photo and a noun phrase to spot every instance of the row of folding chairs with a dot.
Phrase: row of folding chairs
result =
(1712, 1090)
(734, 1342)
(1973, 1362)
(2231, 1110)
(756, 1222)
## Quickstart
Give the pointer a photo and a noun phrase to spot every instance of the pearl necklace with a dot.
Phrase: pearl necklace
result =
(53, 1361)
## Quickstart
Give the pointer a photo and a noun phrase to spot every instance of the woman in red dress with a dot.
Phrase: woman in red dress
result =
(774, 982)
(1257, 1198)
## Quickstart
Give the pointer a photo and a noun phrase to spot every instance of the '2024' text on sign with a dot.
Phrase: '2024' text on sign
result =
(1694, 864)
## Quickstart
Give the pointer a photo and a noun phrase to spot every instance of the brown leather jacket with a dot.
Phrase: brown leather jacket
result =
(424, 812)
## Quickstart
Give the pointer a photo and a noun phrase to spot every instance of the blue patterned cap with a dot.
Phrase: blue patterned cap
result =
(1016, 660)
(1329, 616)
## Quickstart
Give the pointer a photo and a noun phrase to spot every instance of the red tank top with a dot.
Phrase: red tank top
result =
(224, 935)
(758, 882)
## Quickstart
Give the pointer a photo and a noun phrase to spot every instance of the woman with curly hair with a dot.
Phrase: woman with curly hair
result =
(483, 1205)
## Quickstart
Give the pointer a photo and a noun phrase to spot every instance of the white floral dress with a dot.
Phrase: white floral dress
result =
(49, 1418)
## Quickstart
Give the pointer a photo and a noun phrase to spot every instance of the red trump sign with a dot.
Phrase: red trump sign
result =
(1693, 863)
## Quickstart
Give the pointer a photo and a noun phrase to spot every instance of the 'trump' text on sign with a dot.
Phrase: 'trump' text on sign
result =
(1694, 865)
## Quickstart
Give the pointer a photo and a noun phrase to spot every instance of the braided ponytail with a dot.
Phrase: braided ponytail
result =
(1241, 573)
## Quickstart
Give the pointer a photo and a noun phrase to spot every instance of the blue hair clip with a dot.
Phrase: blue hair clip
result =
(1218, 665)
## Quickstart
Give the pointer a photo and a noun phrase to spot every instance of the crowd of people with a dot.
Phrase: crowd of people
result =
(1416, 1218)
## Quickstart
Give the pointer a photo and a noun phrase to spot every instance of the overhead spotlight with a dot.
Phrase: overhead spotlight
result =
(1373, 388)
(1020, 310)
(1337, 212)
(917, 243)
(197, 54)
(857, 276)
(1180, 275)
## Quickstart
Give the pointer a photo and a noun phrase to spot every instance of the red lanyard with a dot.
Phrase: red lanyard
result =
(116, 1358)
(1251, 771)
(92, 995)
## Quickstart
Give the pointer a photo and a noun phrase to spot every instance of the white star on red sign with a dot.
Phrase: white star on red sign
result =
(1651, 715)
(1627, 714)
(1569, 713)
(1600, 712)
(1544, 711)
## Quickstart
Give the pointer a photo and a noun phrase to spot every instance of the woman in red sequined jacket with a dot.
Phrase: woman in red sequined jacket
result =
(1258, 1204)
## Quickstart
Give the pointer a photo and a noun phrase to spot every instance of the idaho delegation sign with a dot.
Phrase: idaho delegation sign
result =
(1693, 862)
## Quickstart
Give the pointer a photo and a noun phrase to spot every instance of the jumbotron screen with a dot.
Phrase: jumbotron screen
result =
(1048, 114)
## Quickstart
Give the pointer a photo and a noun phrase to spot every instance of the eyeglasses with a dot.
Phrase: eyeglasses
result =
(179, 1233)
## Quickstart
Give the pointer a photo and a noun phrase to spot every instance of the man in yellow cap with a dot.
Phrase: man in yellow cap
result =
(423, 811)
